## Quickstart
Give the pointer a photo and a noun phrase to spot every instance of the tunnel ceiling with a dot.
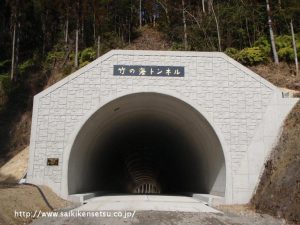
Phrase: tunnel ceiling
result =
(147, 143)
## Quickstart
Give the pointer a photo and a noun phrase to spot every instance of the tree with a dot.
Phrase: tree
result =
(35, 27)
(217, 25)
(275, 55)
(77, 32)
(210, 5)
(98, 16)
(67, 12)
(295, 49)
(184, 26)
(164, 5)
(15, 37)
(140, 13)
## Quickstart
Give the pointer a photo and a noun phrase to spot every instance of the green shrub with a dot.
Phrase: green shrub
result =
(86, 56)
(6, 84)
(5, 66)
(232, 52)
(177, 46)
(3, 97)
(54, 56)
(284, 46)
(112, 40)
(67, 69)
(283, 41)
(252, 56)
(286, 54)
(3, 76)
(264, 44)
(26, 66)
(51, 59)
(72, 56)
(82, 64)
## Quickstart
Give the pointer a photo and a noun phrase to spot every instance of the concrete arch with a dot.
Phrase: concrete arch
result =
(181, 101)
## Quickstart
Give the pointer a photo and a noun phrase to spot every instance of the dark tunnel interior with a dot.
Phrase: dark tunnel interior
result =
(159, 151)
(147, 144)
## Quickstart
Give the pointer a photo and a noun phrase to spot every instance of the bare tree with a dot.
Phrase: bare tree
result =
(77, 33)
(203, 6)
(210, 5)
(13, 67)
(44, 19)
(248, 33)
(129, 23)
(140, 14)
(15, 38)
(164, 5)
(94, 26)
(98, 46)
(67, 21)
(184, 26)
(217, 25)
(295, 49)
(67, 28)
(275, 55)
(209, 42)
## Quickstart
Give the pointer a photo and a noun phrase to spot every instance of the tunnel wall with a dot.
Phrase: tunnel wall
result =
(245, 111)
(188, 152)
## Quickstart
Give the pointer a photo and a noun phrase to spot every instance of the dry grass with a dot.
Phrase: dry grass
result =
(150, 39)
(241, 210)
(282, 75)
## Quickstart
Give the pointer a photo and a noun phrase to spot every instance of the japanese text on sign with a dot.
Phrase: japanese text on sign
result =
(160, 71)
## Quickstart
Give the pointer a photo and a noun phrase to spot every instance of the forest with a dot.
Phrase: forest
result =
(39, 38)
(43, 41)
(30, 29)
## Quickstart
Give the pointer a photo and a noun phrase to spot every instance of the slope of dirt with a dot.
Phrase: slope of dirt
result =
(149, 39)
(282, 75)
(15, 168)
(279, 190)
(15, 124)
(16, 198)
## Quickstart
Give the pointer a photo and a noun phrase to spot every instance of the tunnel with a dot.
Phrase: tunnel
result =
(147, 143)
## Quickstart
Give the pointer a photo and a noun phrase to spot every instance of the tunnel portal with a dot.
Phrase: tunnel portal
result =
(147, 143)
(156, 122)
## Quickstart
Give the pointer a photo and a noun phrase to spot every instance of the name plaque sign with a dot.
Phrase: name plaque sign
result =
(52, 161)
(156, 71)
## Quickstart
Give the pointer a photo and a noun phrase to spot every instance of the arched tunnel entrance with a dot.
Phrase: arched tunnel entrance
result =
(147, 143)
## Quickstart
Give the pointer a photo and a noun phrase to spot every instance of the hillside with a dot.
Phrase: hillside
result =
(281, 75)
(149, 39)
(280, 180)
(27, 198)
(279, 190)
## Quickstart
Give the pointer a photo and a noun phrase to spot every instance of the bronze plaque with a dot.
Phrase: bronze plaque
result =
(52, 161)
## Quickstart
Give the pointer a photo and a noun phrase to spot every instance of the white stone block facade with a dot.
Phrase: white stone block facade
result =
(245, 110)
